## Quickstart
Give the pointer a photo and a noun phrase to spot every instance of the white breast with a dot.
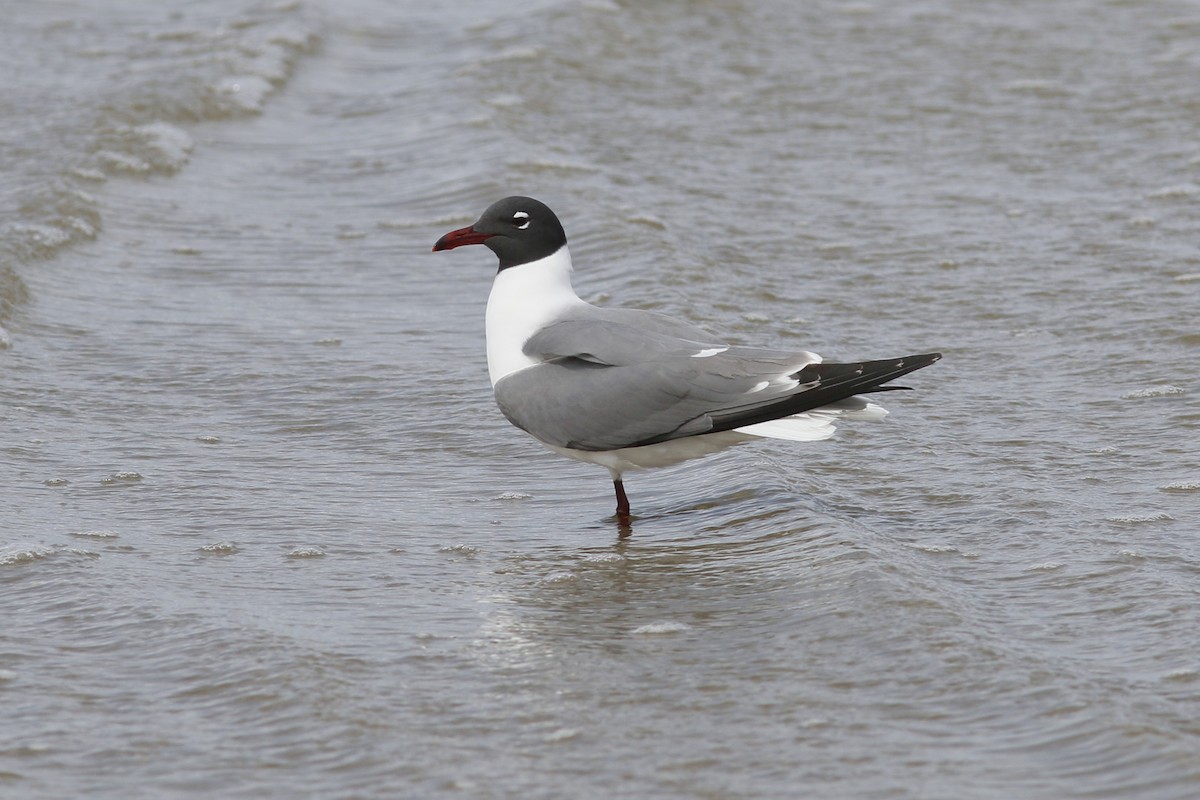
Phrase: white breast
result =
(523, 300)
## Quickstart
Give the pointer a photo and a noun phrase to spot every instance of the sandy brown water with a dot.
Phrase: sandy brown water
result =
(263, 532)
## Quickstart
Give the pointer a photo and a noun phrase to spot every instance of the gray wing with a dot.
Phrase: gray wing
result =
(618, 337)
(622, 378)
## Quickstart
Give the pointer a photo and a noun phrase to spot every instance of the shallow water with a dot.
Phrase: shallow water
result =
(265, 534)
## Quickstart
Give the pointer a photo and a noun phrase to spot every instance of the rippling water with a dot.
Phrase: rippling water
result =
(264, 533)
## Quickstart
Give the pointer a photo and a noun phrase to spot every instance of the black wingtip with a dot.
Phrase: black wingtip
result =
(925, 358)
(865, 376)
(827, 383)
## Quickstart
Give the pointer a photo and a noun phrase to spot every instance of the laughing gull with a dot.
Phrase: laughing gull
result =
(630, 389)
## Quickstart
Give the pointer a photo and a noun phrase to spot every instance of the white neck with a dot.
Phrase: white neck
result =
(524, 299)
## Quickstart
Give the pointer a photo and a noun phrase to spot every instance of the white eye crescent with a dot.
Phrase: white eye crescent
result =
(521, 215)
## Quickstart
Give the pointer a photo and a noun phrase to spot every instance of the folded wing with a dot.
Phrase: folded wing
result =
(618, 378)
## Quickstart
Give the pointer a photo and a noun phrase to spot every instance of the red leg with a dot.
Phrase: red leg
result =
(622, 501)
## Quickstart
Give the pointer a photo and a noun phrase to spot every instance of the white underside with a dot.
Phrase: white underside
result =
(815, 425)
(653, 456)
(811, 426)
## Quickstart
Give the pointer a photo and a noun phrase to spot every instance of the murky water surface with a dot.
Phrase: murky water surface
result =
(264, 534)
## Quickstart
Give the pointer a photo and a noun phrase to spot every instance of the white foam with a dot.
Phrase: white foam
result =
(560, 735)
(661, 628)
(551, 165)
(518, 53)
(23, 554)
(1137, 519)
(168, 147)
(39, 237)
(121, 477)
(244, 92)
(1176, 192)
(1039, 87)
(1154, 391)
(936, 549)
(115, 162)
(604, 558)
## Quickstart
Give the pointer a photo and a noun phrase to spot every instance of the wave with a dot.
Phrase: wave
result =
(111, 94)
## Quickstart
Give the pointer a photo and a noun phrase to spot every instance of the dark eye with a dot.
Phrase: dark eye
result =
(521, 220)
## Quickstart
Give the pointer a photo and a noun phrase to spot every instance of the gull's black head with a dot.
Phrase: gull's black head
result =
(517, 229)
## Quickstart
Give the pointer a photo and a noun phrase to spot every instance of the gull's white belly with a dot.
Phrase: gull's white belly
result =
(653, 456)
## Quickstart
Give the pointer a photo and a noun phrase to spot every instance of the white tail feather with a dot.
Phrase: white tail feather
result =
(818, 424)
